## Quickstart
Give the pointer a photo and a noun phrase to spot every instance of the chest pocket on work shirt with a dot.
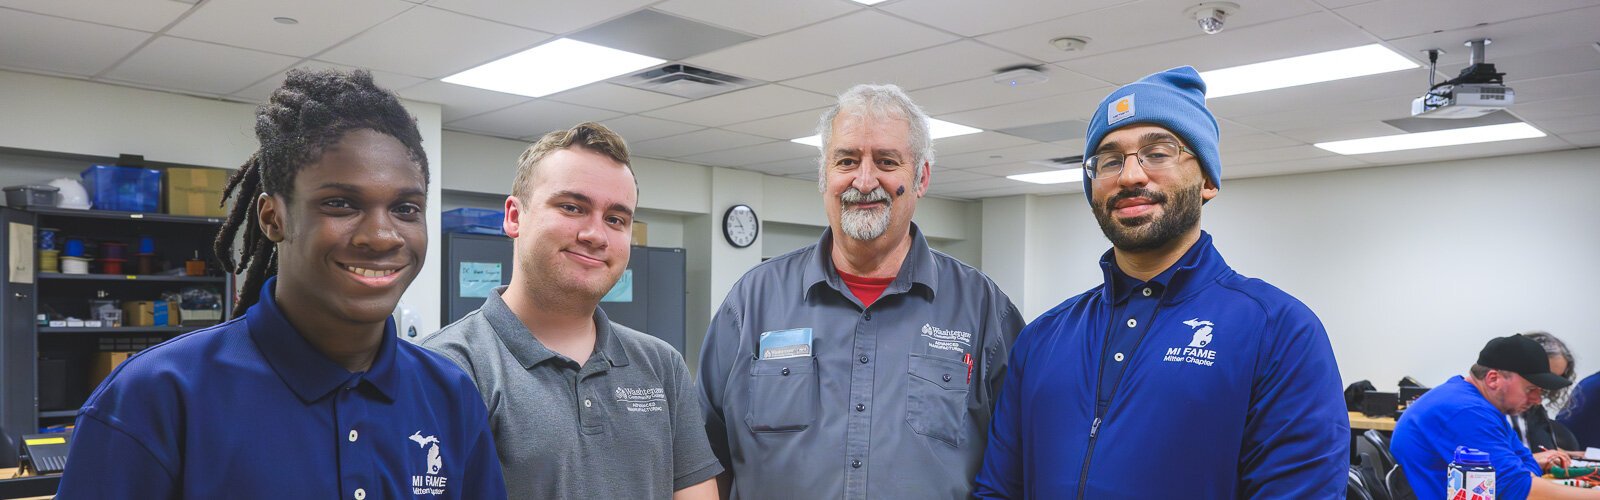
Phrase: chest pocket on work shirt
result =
(936, 398)
(783, 394)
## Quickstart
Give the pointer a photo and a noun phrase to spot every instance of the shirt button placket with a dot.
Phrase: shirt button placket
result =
(361, 494)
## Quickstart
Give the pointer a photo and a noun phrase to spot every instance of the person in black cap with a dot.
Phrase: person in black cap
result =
(1511, 375)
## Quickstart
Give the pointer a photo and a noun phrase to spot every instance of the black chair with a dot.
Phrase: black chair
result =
(1356, 487)
(1378, 444)
(1367, 467)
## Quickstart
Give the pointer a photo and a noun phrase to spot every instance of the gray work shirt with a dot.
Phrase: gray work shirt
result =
(885, 407)
(625, 425)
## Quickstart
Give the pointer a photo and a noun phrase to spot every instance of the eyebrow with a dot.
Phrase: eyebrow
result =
(352, 188)
(1148, 138)
(585, 199)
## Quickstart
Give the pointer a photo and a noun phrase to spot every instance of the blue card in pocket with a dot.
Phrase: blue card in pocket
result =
(791, 343)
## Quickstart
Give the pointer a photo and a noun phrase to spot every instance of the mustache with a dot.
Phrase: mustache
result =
(1154, 196)
(854, 195)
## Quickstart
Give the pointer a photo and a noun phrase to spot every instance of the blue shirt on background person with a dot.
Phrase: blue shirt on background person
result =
(248, 409)
(1582, 417)
(1456, 414)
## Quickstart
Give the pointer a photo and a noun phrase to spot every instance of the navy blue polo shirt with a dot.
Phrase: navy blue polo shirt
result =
(1134, 308)
(248, 409)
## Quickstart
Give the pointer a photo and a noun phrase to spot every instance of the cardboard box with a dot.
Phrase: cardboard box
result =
(641, 234)
(148, 313)
(196, 191)
(104, 362)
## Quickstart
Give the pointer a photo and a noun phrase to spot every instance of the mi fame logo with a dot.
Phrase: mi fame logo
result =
(1196, 352)
(431, 483)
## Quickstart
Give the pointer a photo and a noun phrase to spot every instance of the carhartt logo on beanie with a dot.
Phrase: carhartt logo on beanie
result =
(1174, 99)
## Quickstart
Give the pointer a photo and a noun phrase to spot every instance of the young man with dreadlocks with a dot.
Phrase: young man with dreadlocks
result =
(307, 393)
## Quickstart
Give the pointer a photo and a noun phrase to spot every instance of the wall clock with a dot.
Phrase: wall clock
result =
(740, 226)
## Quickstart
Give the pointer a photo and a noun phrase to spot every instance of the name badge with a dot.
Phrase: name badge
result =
(791, 343)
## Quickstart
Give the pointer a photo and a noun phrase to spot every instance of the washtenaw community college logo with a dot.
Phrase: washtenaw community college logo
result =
(947, 340)
(430, 483)
(1195, 352)
(641, 399)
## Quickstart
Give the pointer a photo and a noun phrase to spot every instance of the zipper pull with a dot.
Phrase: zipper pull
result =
(1094, 429)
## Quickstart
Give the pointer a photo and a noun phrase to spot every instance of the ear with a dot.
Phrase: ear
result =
(1208, 189)
(270, 217)
(512, 224)
(927, 177)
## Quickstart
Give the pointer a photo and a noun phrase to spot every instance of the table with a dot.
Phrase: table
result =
(1363, 422)
(29, 488)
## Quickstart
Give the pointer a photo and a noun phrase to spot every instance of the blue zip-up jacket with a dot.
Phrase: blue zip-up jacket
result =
(1255, 411)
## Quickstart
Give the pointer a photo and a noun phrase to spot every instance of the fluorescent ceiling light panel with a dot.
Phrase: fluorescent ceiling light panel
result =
(868, 2)
(1051, 177)
(553, 67)
(1438, 138)
(937, 129)
(1304, 70)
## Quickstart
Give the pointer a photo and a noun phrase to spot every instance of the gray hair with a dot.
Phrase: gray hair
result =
(878, 101)
(1557, 399)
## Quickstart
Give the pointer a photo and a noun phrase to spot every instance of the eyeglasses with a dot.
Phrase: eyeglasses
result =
(1154, 156)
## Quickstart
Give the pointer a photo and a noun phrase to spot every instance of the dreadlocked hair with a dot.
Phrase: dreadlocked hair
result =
(312, 111)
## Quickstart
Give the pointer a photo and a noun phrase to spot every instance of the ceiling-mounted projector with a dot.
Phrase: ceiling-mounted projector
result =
(1477, 91)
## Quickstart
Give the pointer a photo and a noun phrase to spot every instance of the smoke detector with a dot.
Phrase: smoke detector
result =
(1017, 76)
(1211, 15)
(1071, 43)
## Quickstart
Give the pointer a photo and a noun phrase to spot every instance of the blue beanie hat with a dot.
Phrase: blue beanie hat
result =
(1174, 99)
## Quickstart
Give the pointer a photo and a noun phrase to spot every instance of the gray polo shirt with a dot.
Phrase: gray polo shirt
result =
(625, 425)
(885, 407)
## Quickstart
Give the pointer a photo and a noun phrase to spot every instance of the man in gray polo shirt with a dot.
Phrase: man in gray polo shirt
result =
(867, 365)
(580, 407)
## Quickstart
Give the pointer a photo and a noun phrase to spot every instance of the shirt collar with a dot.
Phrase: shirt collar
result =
(1199, 264)
(529, 351)
(918, 268)
(307, 372)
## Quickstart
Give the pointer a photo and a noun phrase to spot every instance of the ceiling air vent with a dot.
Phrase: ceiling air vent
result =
(684, 81)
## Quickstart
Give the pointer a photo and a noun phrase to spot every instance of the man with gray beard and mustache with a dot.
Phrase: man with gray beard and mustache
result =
(866, 365)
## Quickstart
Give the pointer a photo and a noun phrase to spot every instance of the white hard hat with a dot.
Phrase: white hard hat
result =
(72, 193)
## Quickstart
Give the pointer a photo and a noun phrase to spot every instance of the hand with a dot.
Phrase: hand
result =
(1557, 458)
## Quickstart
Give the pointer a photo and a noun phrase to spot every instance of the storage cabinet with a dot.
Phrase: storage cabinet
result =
(50, 368)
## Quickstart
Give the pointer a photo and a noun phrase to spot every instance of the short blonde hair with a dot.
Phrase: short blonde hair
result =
(588, 135)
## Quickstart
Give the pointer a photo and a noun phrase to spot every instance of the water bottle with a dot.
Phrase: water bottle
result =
(1471, 476)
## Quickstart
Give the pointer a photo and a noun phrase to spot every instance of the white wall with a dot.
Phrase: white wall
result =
(62, 115)
(1411, 268)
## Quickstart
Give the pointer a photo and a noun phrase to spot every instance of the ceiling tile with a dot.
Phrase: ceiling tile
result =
(707, 140)
(142, 15)
(969, 18)
(1391, 19)
(751, 155)
(1465, 151)
(1290, 167)
(791, 126)
(824, 46)
(249, 23)
(981, 141)
(1290, 153)
(1070, 106)
(1018, 154)
(1339, 132)
(263, 89)
(432, 43)
(1132, 25)
(983, 92)
(1557, 87)
(616, 98)
(789, 167)
(660, 35)
(1011, 168)
(954, 62)
(1234, 47)
(1584, 140)
(460, 101)
(758, 17)
(1317, 98)
(1569, 125)
(549, 17)
(635, 128)
(955, 178)
(532, 118)
(1374, 110)
(43, 43)
(743, 105)
(1254, 142)
(186, 65)
(1558, 108)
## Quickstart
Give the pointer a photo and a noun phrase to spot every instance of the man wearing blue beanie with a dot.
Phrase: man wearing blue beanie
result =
(1177, 376)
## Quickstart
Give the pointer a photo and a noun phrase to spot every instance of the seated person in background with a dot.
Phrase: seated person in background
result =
(1582, 414)
(1510, 376)
(1547, 439)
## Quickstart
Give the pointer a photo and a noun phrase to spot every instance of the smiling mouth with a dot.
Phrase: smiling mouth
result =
(370, 273)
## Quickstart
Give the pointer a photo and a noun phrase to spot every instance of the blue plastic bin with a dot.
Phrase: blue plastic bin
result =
(127, 189)
(474, 221)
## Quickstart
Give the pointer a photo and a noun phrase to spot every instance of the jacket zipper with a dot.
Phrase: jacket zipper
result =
(1100, 410)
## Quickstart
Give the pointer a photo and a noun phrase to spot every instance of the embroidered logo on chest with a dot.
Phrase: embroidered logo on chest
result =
(430, 483)
(641, 400)
(1195, 353)
(947, 340)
